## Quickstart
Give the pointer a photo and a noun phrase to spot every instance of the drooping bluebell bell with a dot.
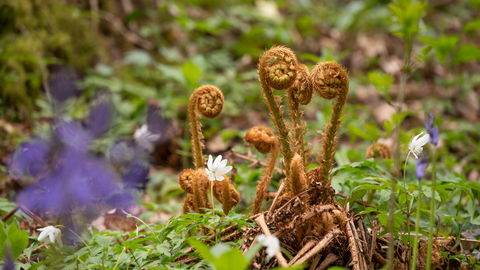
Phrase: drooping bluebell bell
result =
(421, 167)
(432, 129)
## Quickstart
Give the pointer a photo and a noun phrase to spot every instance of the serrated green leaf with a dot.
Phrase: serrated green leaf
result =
(103, 240)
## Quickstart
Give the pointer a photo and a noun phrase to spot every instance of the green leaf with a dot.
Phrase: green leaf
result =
(28, 251)
(443, 45)
(191, 73)
(382, 82)
(18, 241)
(103, 240)
(368, 210)
(427, 191)
(472, 25)
(231, 260)
(203, 249)
(3, 235)
(383, 219)
(467, 53)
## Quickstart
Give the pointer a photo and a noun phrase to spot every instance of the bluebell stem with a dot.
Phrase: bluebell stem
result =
(431, 128)
(420, 168)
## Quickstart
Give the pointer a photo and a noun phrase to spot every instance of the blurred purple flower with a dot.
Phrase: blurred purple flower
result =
(78, 180)
(30, 158)
(431, 129)
(421, 167)
(133, 160)
(62, 84)
(73, 136)
(136, 173)
(100, 117)
(8, 260)
(157, 124)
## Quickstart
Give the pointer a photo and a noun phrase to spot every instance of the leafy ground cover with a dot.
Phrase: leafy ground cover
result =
(95, 115)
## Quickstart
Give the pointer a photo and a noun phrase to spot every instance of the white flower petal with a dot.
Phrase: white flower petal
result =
(217, 162)
(222, 164)
(42, 235)
(272, 244)
(224, 170)
(219, 177)
(261, 238)
(210, 162)
(423, 140)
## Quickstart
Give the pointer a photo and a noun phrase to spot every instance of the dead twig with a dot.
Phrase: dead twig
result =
(331, 258)
(353, 248)
(323, 243)
(280, 190)
(302, 251)
(263, 226)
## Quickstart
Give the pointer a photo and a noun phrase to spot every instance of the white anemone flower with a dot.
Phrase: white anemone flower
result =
(53, 233)
(216, 170)
(417, 143)
(272, 244)
(145, 138)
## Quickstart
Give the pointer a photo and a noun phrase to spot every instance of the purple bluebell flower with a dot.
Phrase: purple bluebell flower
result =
(100, 117)
(30, 158)
(431, 128)
(8, 260)
(136, 173)
(133, 161)
(78, 180)
(62, 84)
(73, 135)
(421, 167)
(75, 178)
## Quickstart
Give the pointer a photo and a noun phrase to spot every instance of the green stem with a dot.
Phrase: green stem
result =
(404, 181)
(213, 204)
(417, 228)
(432, 210)
(121, 254)
(406, 201)
(130, 215)
(390, 226)
(84, 263)
(82, 241)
